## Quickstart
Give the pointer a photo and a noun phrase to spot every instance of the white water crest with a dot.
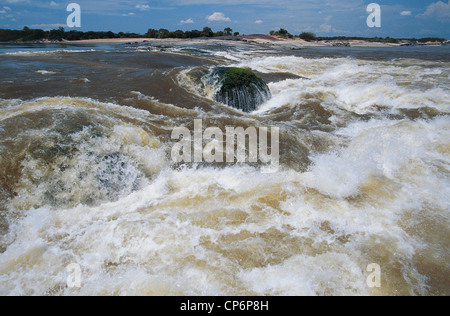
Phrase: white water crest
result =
(358, 86)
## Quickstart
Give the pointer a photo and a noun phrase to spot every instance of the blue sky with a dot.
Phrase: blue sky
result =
(400, 18)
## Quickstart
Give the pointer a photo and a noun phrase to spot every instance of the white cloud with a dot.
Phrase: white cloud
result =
(218, 17)
(405, 13)
(325, 28)
(47, 27)
(5, 10)
(129, 14)
(17, 1)
(143, 7)
(259, 21)
(439, 10)
(53, 4)
(188, 21)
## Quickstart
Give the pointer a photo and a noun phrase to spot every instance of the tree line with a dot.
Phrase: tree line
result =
(206, 32)
(310, 37)
(33, 35)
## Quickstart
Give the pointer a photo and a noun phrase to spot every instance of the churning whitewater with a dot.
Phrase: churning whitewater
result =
(87, 179)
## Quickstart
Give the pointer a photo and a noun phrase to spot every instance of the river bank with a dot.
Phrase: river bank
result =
(251, 39)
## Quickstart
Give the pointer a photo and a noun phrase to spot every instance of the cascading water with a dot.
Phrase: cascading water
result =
(239, 88)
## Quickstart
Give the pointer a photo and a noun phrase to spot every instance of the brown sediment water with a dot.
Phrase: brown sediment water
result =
(86, 175)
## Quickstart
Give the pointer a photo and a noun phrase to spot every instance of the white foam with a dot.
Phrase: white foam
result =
(46, 72)
(22, 107)
(330, 274)
(228, 55)
(196, 231)
(49, 52)
(377, 149)
(357, 86)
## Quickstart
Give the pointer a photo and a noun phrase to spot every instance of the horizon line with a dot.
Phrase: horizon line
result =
(215, 34)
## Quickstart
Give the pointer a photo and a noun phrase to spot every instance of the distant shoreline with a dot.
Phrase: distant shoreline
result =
(258, 40)
(294, 43)
(276, 38)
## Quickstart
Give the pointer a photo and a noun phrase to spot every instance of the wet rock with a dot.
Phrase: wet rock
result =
(239, 88)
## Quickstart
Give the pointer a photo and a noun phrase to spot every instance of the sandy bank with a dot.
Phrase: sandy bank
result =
(259, 40)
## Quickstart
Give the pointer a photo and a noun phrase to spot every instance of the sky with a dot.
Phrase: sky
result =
(399, 18)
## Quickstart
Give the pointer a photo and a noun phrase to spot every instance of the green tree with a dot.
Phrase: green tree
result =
(57, 35)
(308, 36)
(283, 32)
(74, 35)
(177, 34)
(228, 31)
(163, 33)
(207, 32)
(193, 34)
(151, 33)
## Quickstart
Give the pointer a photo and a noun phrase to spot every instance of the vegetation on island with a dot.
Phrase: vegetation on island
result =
(57, 35)
(232, 77)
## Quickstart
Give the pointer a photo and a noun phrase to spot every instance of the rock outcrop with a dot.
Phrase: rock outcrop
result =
(239, 88)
